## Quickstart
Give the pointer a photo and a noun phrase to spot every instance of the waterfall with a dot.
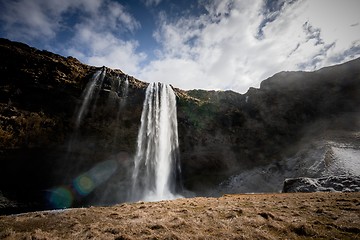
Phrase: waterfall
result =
(115, 86)
(156, 163)
(124, 87)
(122, 90)
(88, 93)
(100, 83)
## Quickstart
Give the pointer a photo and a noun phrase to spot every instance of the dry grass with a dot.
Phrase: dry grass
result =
(258, 216)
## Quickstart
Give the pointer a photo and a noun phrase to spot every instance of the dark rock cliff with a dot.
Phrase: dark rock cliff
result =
(271, 125)
(221, 133)
(39, 143)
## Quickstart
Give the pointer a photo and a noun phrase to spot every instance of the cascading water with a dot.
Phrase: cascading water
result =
(117, 90)
(123, 87)
(88, 93)
(156, 162)
(87, 96)
(106, 92)
(122, 90)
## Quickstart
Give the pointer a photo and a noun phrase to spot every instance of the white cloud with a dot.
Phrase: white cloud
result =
(112, 16)
(29, 18)
(152, 2)
(235, 45)
(105, 49)
(223, 49)
(98, 39)
(97, 30)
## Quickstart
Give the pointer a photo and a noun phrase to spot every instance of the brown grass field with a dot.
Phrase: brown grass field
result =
(245, 216)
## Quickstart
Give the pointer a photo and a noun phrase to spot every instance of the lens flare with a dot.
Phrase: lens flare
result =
(88, 181)
(60, 197)
(84, 184)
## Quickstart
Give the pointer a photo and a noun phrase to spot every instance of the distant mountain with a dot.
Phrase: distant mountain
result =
(297, 124)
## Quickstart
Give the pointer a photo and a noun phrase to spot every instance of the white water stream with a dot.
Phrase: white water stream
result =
(156, 159)
(88, 94)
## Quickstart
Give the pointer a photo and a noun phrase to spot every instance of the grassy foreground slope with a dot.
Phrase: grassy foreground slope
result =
(247, 216)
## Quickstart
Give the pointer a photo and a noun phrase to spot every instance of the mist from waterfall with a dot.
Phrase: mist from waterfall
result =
(156, 163)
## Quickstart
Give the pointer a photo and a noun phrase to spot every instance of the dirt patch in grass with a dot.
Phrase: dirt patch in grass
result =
(255, 216)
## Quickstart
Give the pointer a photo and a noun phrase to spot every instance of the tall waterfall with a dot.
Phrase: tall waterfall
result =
(157, 157)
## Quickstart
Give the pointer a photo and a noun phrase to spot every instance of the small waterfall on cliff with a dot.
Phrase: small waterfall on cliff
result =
(101, 83)
(88, 94)
(94, 158)
(122, 90)
(123, 87)
(157, 157)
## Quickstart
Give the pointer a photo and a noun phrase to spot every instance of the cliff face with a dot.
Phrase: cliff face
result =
(221, 134)
(41, 148)
(296, 124)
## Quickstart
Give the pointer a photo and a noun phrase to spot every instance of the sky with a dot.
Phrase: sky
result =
(191, 44)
